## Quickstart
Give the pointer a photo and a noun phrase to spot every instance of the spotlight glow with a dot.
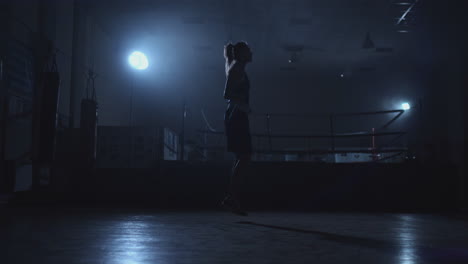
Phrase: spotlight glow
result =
(406, 106)
(138, 60)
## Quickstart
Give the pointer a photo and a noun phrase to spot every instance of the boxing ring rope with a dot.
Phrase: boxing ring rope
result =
(332, 135)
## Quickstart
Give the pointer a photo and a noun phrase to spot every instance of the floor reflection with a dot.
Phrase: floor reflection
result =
(133, 241)
(407, 240)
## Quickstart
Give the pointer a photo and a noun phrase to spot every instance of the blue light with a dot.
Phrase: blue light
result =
(406, 106)
(138, 60)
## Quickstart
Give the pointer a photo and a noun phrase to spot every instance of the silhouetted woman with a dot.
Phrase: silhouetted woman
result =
(236, 120)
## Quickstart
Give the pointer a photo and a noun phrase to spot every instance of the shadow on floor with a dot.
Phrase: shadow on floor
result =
(428, 254)
(358, 241)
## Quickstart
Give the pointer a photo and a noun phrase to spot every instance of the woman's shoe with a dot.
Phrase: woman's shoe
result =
(232, 205)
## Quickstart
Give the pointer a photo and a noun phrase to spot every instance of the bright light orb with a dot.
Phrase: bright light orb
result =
(406, 106)
(138, 60)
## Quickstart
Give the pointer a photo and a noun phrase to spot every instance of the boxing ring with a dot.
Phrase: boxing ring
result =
(212, 140)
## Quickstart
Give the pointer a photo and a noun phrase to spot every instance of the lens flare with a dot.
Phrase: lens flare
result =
(406, 106)
(138, 60)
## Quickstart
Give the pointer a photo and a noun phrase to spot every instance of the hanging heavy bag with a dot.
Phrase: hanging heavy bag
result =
(88, 130)
(88, 122)
(45, 112)
(46, 123)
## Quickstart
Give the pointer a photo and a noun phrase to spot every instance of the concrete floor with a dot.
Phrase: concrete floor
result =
(142, 236)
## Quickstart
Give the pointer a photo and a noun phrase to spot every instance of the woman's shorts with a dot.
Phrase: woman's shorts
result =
(237, 129)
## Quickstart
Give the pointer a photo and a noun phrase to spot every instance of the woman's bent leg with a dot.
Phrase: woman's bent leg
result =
(239, 172)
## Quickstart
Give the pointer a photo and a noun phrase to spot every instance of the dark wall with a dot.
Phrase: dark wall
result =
(301, 186)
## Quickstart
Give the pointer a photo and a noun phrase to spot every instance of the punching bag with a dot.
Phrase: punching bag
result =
(88, 129)
(88, 123)
(45, 117)
(45, 104)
